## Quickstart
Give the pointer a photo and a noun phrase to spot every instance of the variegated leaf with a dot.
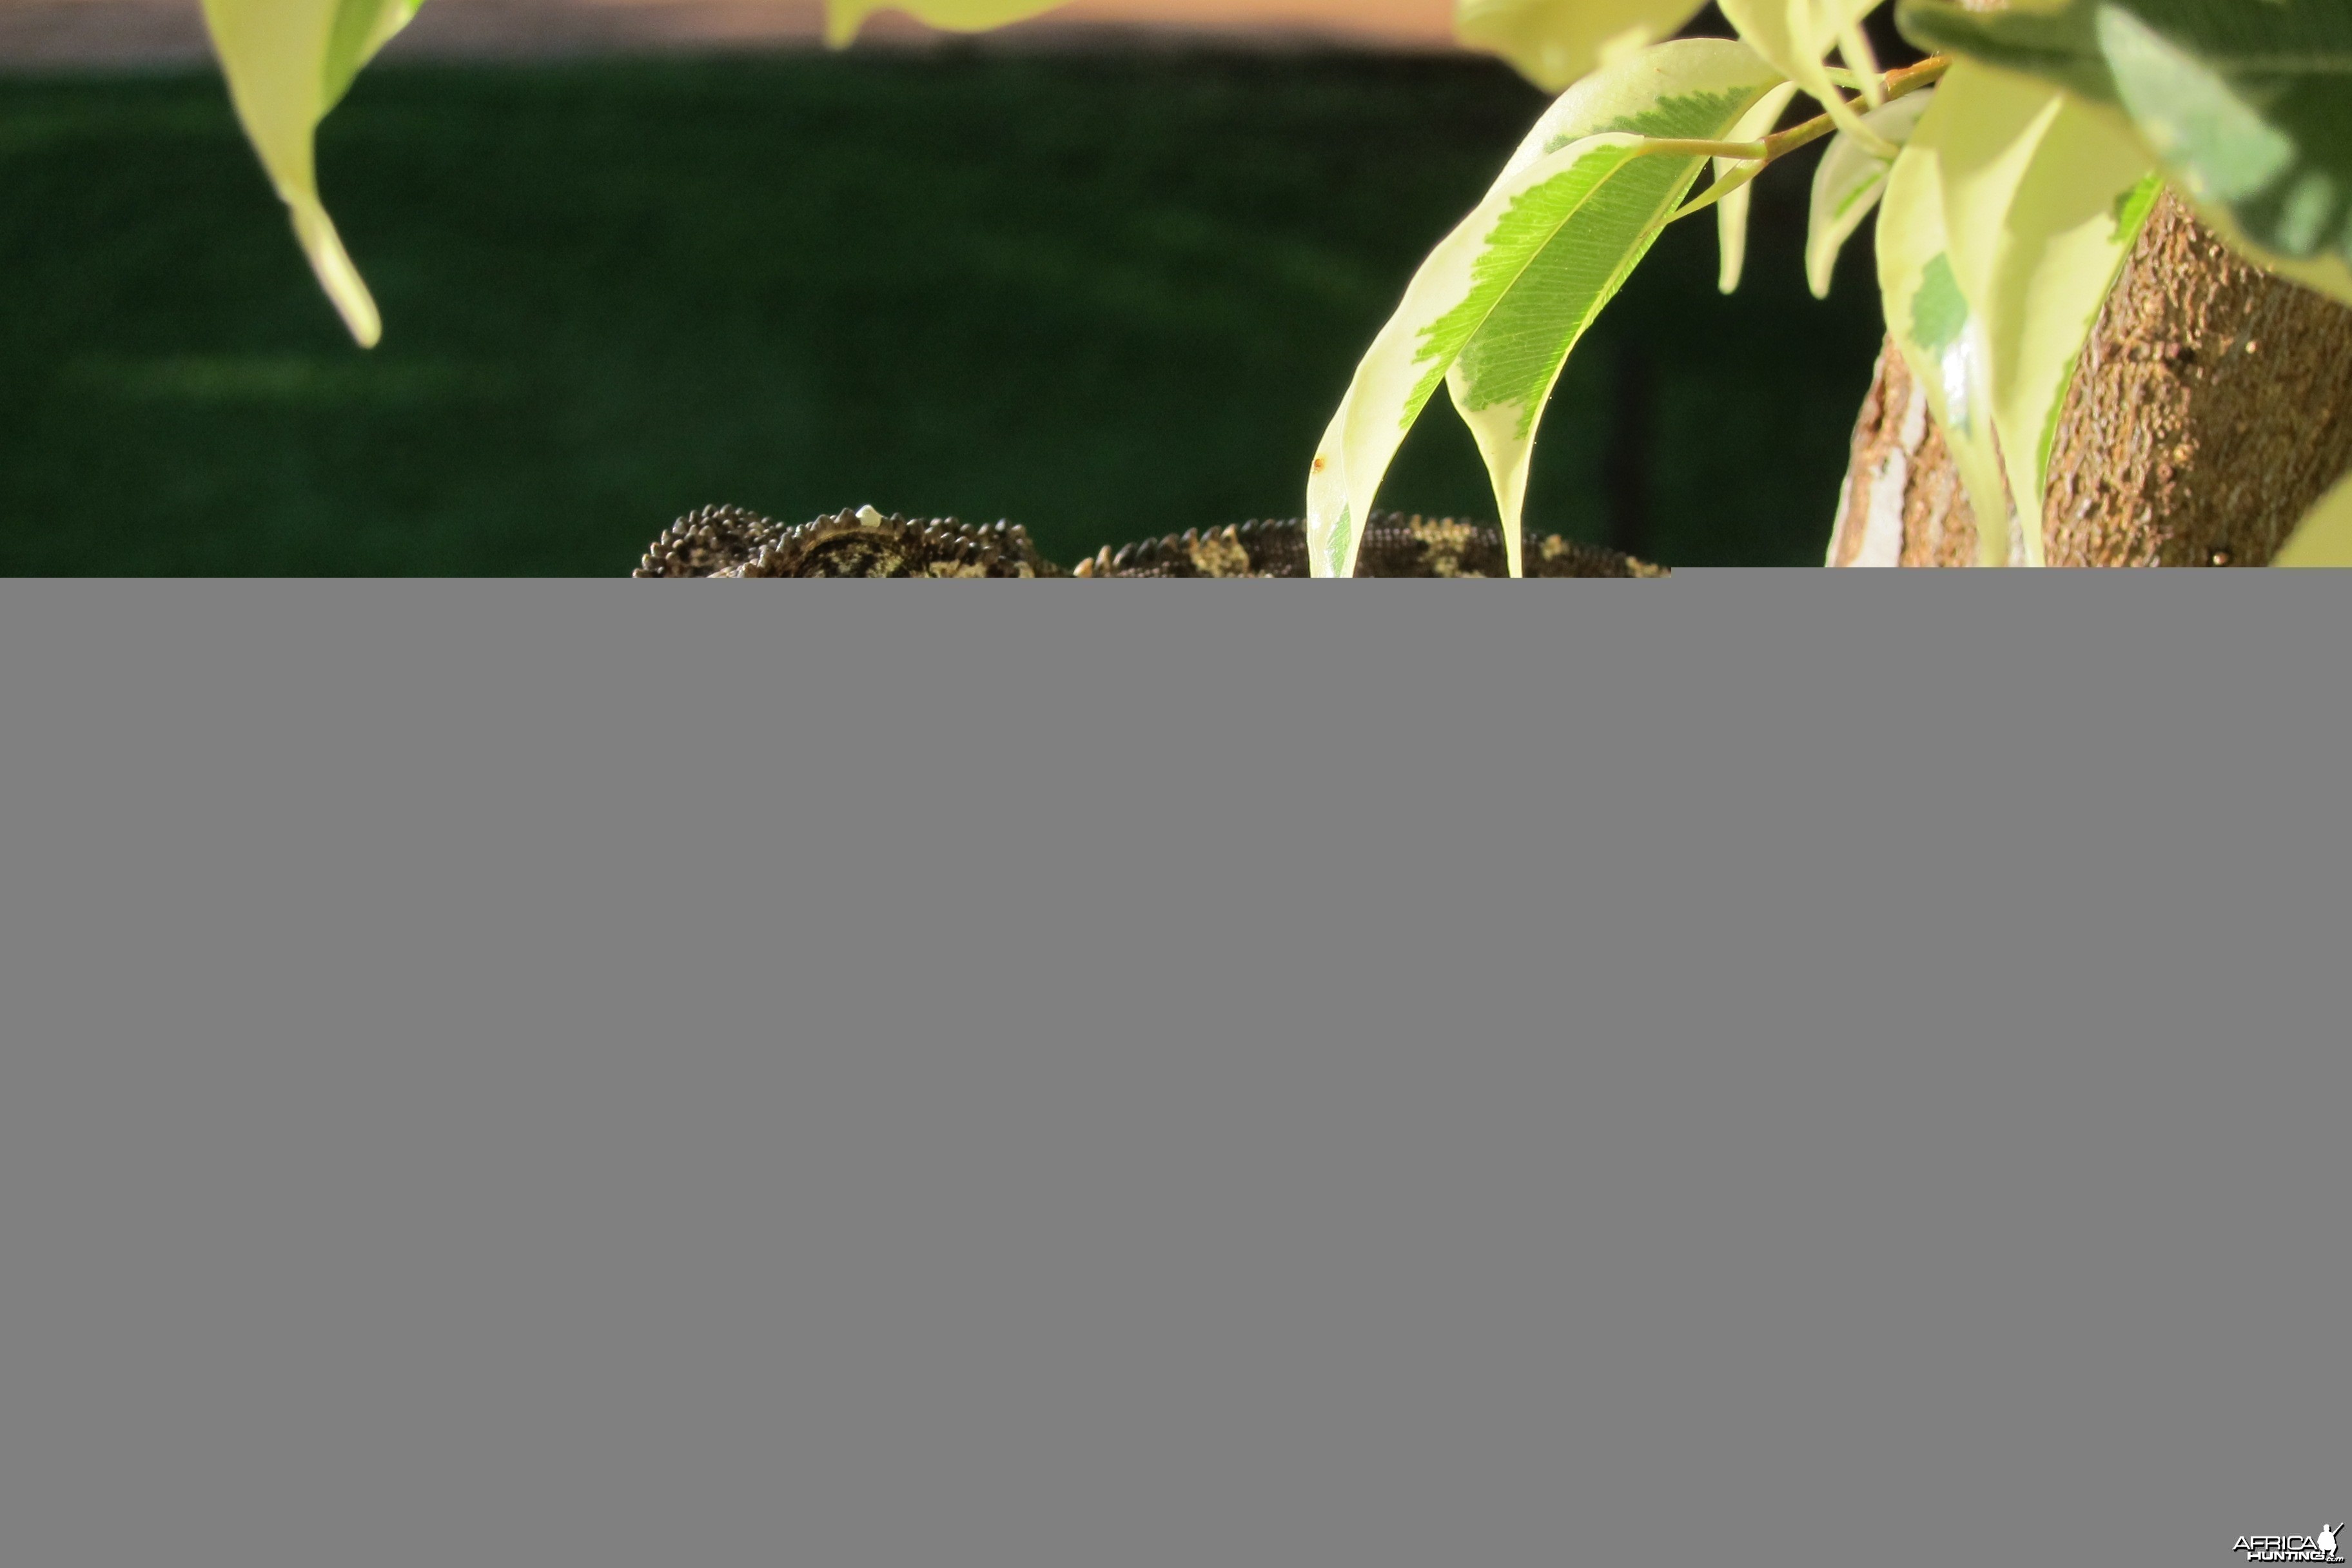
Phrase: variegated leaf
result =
(1495, 309)
(2039, 192)
(1849, 181)
(287, 62)
(1940, 337)
(2247, 104)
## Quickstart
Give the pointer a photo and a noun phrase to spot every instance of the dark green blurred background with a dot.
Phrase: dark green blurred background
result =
(1107, 296)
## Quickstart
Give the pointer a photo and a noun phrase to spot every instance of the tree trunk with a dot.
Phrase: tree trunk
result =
(2212, 407)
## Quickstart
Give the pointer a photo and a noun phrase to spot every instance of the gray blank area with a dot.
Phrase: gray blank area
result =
(1757, 1068)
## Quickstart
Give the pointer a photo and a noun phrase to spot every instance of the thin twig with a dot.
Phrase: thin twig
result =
(1755, 157)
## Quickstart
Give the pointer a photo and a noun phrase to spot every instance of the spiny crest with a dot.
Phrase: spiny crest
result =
(1238, 550)
(730, 541)
(706, 541)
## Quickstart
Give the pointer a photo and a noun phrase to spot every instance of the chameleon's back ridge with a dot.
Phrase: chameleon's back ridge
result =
(730, 541)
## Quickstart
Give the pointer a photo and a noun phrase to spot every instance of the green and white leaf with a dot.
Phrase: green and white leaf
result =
(2246, 104)
(2053, 40)
(1496, 306)
(1731, 210)
(287, 62)
(844, 18)
(1794, 34)
(1848, 182)
(2323, 538)
(1555, 43)
(1941, 336)
(2044, 196)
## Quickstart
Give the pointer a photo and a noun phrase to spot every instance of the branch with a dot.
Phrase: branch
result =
(1755, 157)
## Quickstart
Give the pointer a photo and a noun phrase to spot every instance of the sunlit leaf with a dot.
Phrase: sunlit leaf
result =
(1848, 182)
(1794, 34)
(2323, 538)
(1939, 335)
(2038, 203)
(1853, 48)
(2053, 40)
(361, 27)
(287, 62)
(1556, 42)
(844, 18)
(1495, 310)
(2246, 104)
(1731, 211)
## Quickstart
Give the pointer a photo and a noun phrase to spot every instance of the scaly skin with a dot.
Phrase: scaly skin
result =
(728, 542)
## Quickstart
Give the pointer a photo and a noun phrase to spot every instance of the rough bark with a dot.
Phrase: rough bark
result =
(2212, 407)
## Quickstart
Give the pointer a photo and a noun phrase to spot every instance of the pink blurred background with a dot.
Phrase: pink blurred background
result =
(72, 33)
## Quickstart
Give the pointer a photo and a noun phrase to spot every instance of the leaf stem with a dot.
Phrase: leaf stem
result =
(1755, 157)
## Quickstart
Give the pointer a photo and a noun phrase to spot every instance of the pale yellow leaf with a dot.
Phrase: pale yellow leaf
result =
(844, 18)
(1731, 212)
(286, 62)
(2323, 538)
(1853, 48)
(1848, 182)
(2036, 184)
(2326, 274)
(361, 27)
(1794, 34)
(1556, 42)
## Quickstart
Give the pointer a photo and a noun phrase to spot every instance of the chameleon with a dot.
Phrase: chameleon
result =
(731, 542)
